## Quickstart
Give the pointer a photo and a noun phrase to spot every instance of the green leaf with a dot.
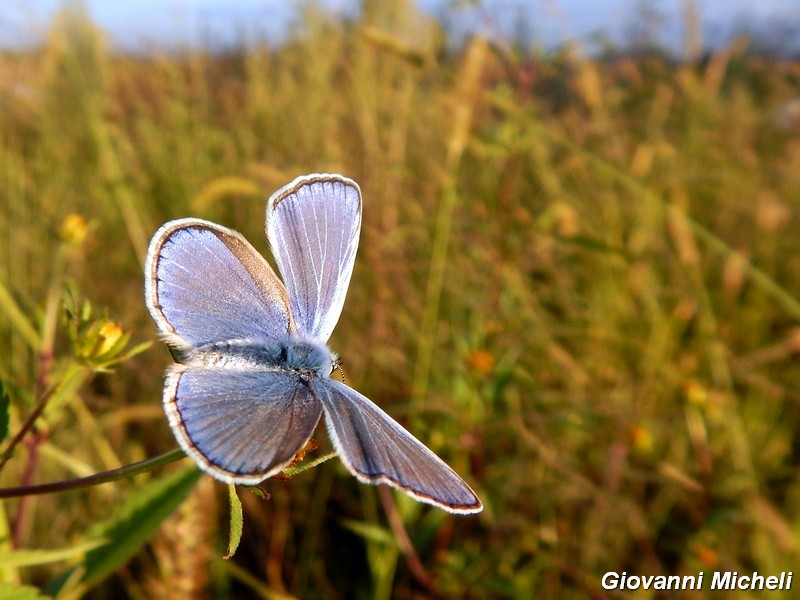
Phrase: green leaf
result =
(63, 583)
(10, 591)
(237, 521)
(135, 521)
(370, 532)
(27, 558)
(257, 491)
(5, 404)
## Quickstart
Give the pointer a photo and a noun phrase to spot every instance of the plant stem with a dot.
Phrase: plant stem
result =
(26, 426)
(103, 477)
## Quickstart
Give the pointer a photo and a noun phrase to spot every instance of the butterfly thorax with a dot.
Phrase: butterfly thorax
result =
(310, 357)
(307, 357)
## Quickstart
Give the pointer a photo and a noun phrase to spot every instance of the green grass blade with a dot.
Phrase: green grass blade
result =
(9, 591)
(27, 558)
(16, 316)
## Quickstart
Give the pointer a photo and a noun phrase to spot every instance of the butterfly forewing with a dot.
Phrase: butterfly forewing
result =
(241, 426)
(376, 449)
(206, 283)
(313, 226)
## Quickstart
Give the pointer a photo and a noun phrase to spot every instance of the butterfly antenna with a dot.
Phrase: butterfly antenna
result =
(337, 366)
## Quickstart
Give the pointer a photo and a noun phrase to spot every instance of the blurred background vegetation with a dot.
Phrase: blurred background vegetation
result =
(578, 282)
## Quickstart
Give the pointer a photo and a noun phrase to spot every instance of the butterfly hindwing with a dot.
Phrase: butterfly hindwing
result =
(377, 449)
(241, 426)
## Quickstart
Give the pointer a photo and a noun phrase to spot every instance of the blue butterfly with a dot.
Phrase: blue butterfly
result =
(254, 370)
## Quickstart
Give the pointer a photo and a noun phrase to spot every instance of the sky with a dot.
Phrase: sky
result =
(174, 23)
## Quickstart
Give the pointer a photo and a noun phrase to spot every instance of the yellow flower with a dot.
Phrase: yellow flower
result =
(641, 439)
(695, 393)
(109, 335)
(74, 230)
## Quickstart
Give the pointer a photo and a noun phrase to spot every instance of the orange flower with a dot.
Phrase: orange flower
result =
(481, 362)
